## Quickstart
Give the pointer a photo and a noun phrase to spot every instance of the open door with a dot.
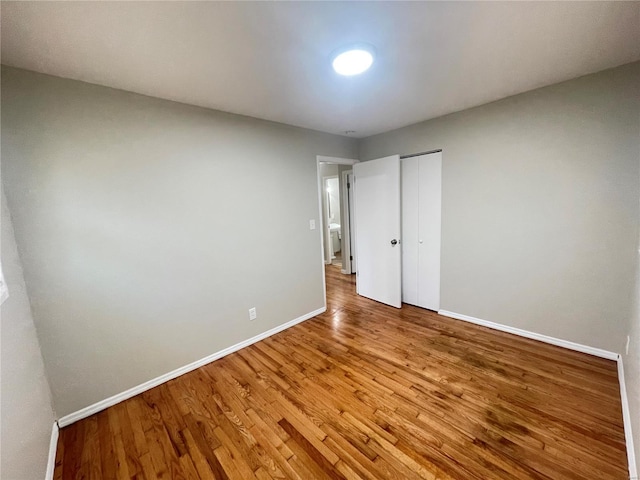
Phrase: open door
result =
(377, 230)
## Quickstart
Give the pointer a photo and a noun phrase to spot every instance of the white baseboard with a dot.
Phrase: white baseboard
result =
(626, 417)
(132, 392)
(598, 352)
(53, 446)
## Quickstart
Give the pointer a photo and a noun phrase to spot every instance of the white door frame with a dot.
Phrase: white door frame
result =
(340, 161)
(347, 194)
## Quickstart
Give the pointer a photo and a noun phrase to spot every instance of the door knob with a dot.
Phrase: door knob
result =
(394, 242)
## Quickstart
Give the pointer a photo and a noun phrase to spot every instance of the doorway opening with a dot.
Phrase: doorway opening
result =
(335, 197)
(331, 220)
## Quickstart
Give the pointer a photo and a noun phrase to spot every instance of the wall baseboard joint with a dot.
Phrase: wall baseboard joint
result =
(99, 406)
(598, 352)
(626, 418)
(53, 448)
(132, 392)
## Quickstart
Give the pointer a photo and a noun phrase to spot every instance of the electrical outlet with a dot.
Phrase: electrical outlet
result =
(626, 349)
(312, 224)
(252, 313)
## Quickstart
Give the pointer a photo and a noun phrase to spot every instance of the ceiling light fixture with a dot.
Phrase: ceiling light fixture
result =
(353, 60)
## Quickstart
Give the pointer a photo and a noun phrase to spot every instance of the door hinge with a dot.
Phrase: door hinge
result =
(348, 185)
(350, 257)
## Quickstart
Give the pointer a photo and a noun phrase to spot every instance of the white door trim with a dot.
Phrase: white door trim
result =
(337, 160)
(346, 224)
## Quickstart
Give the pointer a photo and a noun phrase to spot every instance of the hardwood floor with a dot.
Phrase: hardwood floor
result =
(366, 391)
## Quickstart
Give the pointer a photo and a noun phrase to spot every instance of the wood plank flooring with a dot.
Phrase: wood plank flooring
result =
(366, 391)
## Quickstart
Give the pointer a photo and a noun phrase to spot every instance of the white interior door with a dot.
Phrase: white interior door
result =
(410, 230)
(421, 220)
(377, 230)
(430, 206)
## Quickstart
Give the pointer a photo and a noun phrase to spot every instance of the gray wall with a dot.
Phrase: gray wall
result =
(540, 225)
(146, 228)
(27, 415)
(540, 206)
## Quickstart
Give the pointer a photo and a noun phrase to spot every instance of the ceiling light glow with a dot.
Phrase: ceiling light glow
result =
(353, 61)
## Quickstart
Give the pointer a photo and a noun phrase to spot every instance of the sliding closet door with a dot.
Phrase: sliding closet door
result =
(421, 219)
(410, 230)
(429, 226)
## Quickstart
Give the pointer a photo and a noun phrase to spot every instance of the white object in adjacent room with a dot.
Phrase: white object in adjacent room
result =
(4, 290)
(377, 228)
(421, 225)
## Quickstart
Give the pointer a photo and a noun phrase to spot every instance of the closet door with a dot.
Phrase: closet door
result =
(429, 229)
(410, 230)
(421, 218)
